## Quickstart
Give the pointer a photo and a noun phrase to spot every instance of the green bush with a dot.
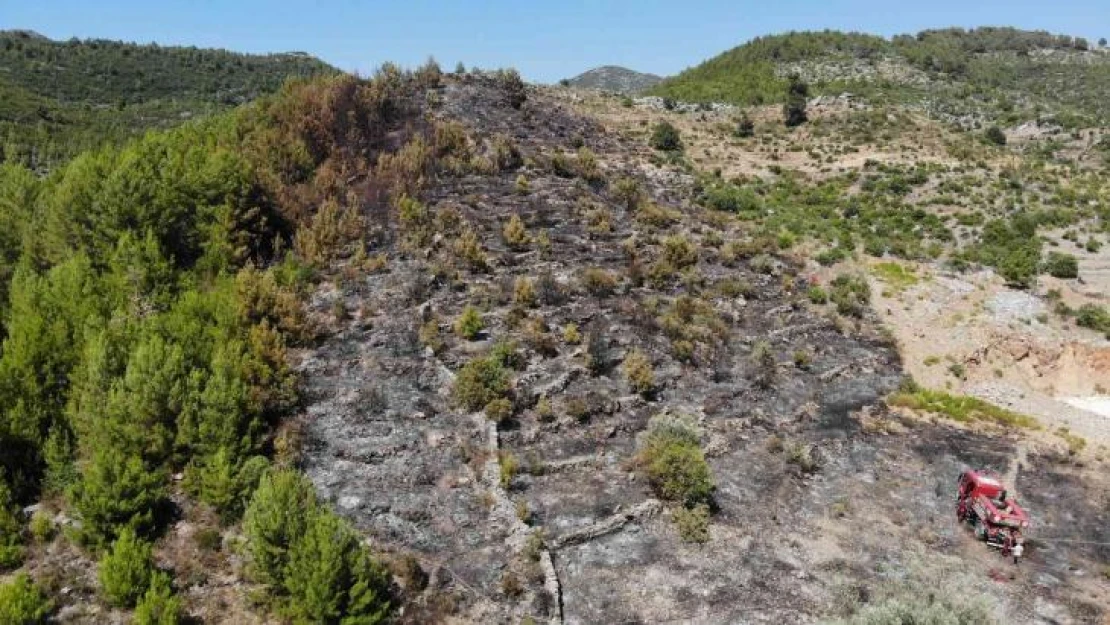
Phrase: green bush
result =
(1094, 317)
(276, 516)
(665, 137)
(1059, 265)
(851, 294)
(23, 603)
(479, 382)
(41, 526)
(693, 523)
(995, 135)
(332, 578)
(469, 324)
(499, 410)
(159, 606)
(673, 462)
(817, 295)
(958, 407)
(125, 571)
(638, 371)
(598, 282)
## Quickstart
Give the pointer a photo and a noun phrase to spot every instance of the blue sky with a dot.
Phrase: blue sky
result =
(546, 41)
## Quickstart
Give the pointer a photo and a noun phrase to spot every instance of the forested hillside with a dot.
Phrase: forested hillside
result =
(58, 98)
(996, 69)
(152, 292)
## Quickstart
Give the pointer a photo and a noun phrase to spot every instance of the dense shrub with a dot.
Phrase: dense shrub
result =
(125, 571)
(995, 135)
(639, 373)
(627, 191)
(745, 127)
(516, 94)
(515, 234)
(23, 603)
(1059, 265)
(1094, 317)
(693, 523)
(765, 367)
(480, 382)
(679, 252)
(469, 324)
(673, 462)
(598, 282)
(851, 294)
(665, 137)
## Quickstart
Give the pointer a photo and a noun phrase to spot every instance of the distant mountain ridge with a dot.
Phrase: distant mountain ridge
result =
(614, 78)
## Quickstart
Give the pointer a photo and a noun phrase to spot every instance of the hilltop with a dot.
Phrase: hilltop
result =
(60, 97)
(433, 347)
(614, 79)
(982, 73)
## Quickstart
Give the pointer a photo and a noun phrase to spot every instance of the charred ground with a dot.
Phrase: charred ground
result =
(821, 492)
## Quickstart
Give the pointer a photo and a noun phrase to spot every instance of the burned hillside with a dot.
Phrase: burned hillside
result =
(503, 335)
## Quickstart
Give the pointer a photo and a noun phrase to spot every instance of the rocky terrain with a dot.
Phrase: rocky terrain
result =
(614, 79)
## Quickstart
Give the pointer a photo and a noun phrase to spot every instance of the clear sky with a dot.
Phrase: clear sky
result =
(546, 41)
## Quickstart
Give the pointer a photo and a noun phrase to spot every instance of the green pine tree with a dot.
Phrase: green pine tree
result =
(225, 483)
(125, 571)
(276, 517)
(330, 577)
(23, 603)
(159, 606)
(11, 545)
(117, 490)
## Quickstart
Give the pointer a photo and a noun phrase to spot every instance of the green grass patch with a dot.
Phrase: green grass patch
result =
(895, 275)
(960, 408)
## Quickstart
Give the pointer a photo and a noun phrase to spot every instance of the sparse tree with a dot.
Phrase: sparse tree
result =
(745, 127)
(665, 137)
(794, 111)
(1102, 42)
(516, 94)
(995, 135)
